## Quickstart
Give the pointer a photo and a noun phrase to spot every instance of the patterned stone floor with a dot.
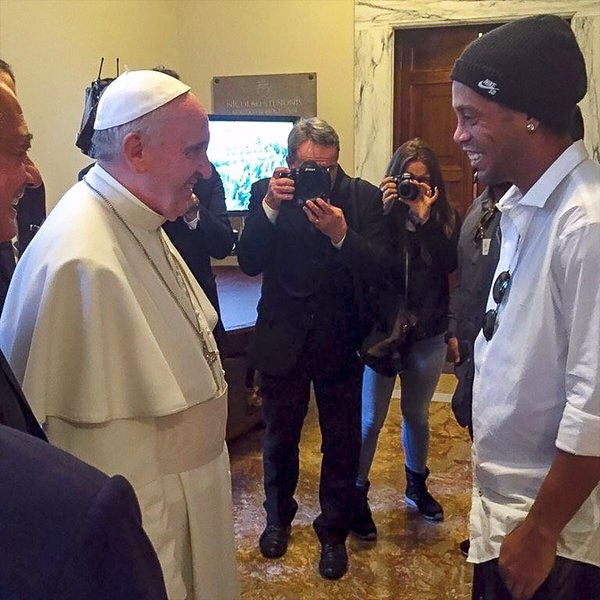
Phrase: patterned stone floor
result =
(412, 559)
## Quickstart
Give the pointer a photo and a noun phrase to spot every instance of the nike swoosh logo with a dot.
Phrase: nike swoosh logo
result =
(488, 86)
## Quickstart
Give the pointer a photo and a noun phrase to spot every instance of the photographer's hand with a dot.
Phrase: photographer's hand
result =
(421, 207)
(192, 215)
(390, 193)
(281, 188)
(328, 219)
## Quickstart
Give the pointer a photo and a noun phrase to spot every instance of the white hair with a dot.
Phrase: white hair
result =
(107, 144)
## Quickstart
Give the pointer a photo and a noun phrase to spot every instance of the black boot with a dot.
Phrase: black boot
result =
(419, 497)
(361, 523)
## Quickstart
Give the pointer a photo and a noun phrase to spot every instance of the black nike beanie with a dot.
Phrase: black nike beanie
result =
(533, 65)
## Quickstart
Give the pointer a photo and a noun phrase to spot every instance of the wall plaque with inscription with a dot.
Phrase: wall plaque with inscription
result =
(287, 94)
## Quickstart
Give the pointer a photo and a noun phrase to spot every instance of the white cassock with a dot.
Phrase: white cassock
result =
(117, 371)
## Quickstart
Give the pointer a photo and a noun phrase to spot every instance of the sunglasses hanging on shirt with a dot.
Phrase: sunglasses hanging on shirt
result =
(499, 290)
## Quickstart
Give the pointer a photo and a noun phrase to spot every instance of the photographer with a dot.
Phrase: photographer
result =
(312, 255)
(413, 301)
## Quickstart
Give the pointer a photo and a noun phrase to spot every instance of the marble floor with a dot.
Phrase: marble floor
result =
(412, 559)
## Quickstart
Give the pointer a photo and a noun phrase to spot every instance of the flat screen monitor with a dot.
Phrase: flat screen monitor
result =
(244, 149)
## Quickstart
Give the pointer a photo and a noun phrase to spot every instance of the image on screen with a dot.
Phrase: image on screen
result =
(245, 149)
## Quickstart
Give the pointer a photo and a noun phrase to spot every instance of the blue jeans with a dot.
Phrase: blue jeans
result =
(417, 384)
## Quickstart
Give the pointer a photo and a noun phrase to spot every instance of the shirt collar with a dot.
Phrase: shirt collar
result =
(131, 208)
(541, 190)
(516, 205)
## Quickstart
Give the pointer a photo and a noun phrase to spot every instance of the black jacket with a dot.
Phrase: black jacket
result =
(7, 268)
(31, 213)
(308, 285)
(67, 531)
(14, 409)
(421, 256)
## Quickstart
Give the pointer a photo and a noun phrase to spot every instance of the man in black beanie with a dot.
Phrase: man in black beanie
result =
(535, 518)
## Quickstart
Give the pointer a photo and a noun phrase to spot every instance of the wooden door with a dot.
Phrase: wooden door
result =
(423, 99)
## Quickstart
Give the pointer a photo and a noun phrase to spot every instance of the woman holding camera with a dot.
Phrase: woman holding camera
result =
(411, 302)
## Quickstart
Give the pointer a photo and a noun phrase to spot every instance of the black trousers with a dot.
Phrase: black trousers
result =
(568, 580)
(285, 404)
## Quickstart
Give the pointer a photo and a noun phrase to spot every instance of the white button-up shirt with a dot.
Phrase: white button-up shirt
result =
(537, 380)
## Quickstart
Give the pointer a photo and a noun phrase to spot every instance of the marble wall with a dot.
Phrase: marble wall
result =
(374, 25)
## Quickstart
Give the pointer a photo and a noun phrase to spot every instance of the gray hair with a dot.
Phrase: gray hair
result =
(107, 144)
(314, 129)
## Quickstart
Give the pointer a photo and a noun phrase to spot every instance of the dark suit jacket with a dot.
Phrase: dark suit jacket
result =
(7, 268)
(308, 285)
(31, 213)
(67, 531)
(14, 409)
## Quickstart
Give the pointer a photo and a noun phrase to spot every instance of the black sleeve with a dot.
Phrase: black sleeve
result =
(457, 293)
(7, 268)
(443, 249)
(214, 230)
(14, 408)
(258, 236)
(365, 244)
(454, 296)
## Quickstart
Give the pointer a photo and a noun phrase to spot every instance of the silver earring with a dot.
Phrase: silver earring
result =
(530, 127)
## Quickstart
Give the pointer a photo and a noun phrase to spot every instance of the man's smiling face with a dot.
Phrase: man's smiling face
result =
(490, 134)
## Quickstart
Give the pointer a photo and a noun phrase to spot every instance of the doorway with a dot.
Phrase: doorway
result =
(423, 60)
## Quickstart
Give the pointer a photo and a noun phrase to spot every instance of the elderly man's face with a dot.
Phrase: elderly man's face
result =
(490, 134)
(177, 158)
(17, 171)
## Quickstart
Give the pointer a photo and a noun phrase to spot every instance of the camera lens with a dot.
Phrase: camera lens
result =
(407, 190)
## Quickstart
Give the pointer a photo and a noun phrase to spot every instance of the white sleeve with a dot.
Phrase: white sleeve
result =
(579, 299)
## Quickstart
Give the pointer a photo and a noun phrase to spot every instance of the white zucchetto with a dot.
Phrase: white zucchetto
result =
(134, 94)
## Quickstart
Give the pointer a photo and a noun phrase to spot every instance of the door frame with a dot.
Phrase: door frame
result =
(374, 27)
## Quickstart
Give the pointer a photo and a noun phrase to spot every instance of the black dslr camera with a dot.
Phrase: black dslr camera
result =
(407, 189)
(310, 181)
